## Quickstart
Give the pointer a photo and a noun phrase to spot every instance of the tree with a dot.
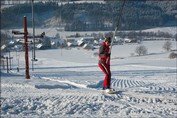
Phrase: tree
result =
(57, 35)
(141, 50)
(167, 46)
(173, 55)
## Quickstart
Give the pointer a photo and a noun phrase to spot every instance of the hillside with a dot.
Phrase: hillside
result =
(93, 16)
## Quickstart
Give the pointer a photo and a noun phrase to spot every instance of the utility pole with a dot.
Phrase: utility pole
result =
(26, 47)
(25, 33)
(33, 25)
(10, 58)
(7, 65)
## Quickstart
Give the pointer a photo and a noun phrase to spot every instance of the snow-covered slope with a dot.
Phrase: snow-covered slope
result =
(67, 83)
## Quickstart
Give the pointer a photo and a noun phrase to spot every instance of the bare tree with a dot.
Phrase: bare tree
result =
(141, 50)
(173, 55)
(167, 46)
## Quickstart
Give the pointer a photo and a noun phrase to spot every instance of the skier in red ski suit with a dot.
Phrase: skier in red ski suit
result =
(104, 62)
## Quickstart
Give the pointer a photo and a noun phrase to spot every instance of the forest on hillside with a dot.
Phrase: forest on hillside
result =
(93, 16)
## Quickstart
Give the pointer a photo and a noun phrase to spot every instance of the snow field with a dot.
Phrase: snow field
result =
(69, 85)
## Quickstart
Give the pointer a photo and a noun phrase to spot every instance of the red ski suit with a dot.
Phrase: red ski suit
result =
(104, 64)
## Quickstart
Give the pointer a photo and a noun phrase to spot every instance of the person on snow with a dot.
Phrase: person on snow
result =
(104, 63)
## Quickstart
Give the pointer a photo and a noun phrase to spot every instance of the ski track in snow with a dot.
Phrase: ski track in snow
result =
(67, 82)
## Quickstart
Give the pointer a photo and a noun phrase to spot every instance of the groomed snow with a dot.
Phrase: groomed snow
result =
(67, 83)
